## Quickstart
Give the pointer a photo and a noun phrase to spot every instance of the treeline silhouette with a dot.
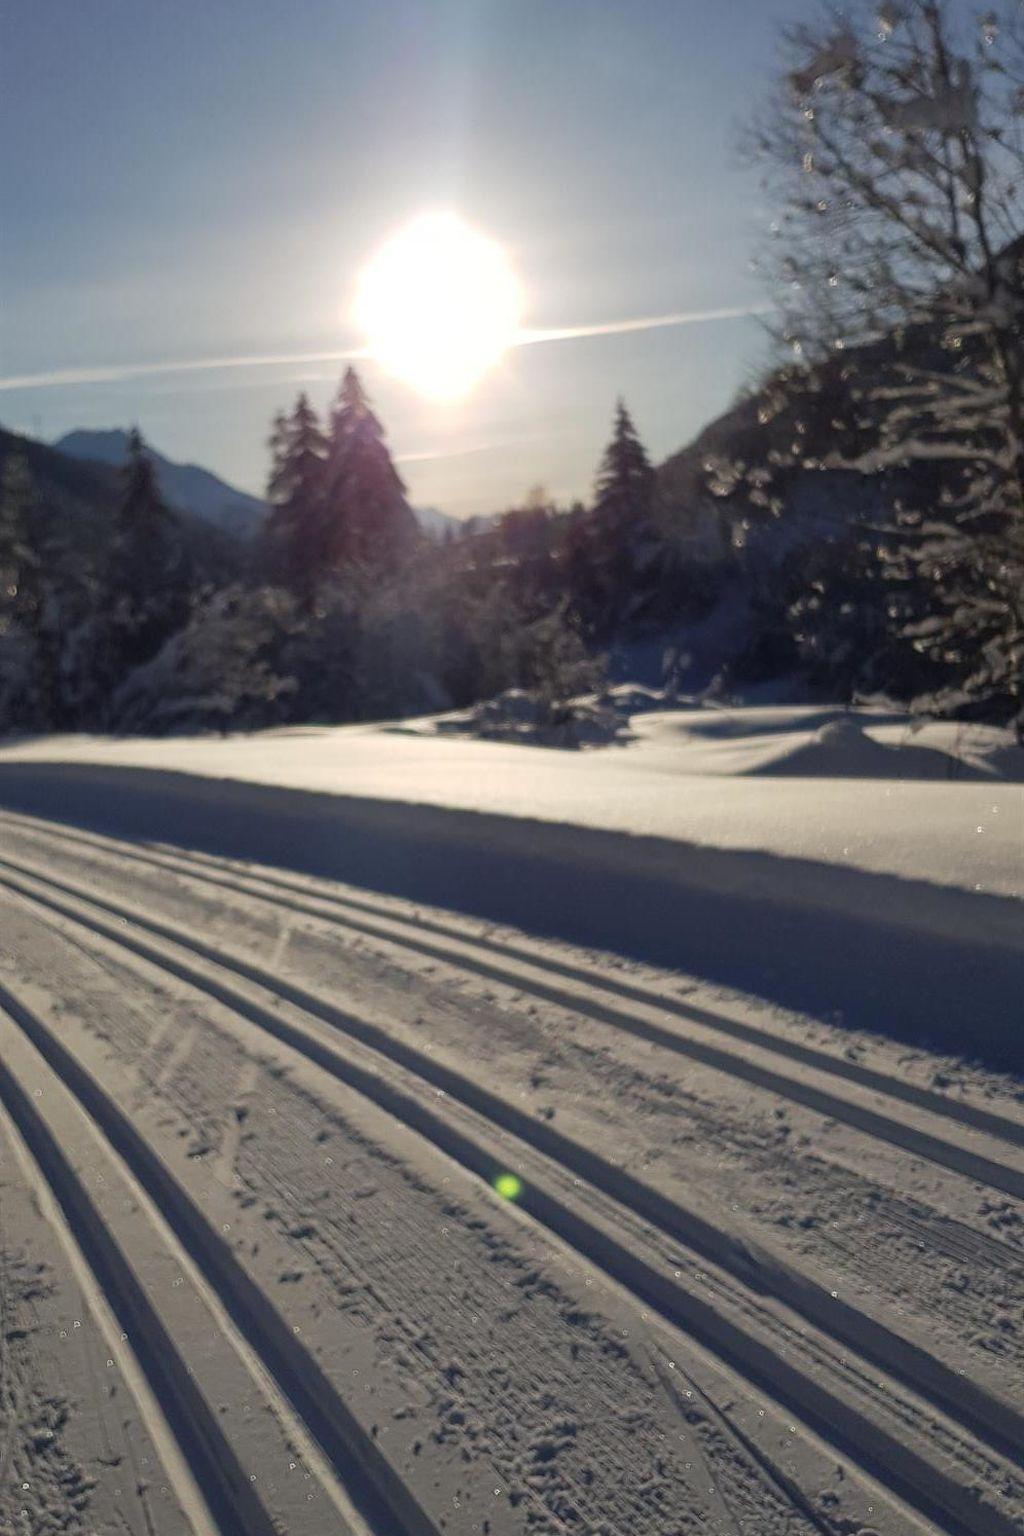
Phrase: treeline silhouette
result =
(138, 618)
(341, 609)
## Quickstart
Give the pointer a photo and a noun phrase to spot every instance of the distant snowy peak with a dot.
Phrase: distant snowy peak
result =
(186, 486)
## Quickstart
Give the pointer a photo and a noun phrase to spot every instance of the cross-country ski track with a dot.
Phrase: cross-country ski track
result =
(759, 1274)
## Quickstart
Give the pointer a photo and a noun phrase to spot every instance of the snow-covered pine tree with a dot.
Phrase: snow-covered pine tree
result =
(367, 520)
(896, 147)
(294, 547)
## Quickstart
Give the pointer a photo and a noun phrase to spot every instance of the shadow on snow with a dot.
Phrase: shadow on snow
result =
(926, 964)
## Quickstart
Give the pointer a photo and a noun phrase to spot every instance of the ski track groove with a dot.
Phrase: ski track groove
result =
(293, 893)
(956, 1158)
(964, 1515)
(285, 1180)
(968, 1248)
(389, 1508)
(762, 1270)
(221, 1487)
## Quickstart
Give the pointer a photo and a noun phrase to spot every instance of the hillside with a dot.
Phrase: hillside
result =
(786, 500)
(77, 496)
(770, 460)
(68, 485)
(188, 487)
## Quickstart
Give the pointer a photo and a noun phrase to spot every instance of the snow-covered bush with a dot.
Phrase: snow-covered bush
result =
(555, 664)
(217, 673)
(368, 647)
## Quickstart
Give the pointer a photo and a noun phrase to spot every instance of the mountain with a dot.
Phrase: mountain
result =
(773, 477)
(434, 522)
(193, 489)
(80, 494)
(187, 487)
(76, 500)
(788, 509)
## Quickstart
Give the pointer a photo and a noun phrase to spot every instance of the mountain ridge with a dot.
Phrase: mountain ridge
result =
(193, 488)
(188, 487)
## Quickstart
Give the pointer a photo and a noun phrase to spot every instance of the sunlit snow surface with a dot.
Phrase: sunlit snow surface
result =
(939, 801)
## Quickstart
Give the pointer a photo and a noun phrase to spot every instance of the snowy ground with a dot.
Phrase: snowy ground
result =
(867, 791)
(852, 867)
(269, 1038)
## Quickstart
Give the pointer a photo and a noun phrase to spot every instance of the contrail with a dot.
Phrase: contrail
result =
(119, 373)
(429, 455)
(649, 323)
(520, 439)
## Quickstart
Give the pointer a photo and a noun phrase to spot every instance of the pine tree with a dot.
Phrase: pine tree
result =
(609, 553)
(19, 564)
(219, 670)
(294, 551)
(141, 521)
(147, 576)
(277, 443)
(28, 669)
(367, 520)
(625, 480)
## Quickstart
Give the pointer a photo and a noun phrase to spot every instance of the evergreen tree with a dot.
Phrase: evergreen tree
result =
(367, 520)
(147, 576)
(625, 480)
(19, 564)
(294, 539)
(26, 669)
(277, 444)
(219, 670)
(609, 553)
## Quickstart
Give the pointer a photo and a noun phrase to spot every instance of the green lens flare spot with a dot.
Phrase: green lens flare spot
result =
(508, 1186)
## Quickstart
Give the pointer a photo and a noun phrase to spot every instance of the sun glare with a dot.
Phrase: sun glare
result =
(439, 305)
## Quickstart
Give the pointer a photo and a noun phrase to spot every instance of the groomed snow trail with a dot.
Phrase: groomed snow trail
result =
(761, 1275)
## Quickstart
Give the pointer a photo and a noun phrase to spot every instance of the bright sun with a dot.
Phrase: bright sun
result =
(439, 305)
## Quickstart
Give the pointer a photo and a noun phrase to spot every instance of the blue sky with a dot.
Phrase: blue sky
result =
(203, 179)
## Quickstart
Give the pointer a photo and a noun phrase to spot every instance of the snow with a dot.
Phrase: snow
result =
(856, 868)
(934, 801)
(836, 57)
(521, 717)
(295, 1079)
(767, 1242)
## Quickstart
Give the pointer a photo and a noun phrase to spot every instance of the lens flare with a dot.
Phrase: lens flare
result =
(508, 1186)
(439, 305)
